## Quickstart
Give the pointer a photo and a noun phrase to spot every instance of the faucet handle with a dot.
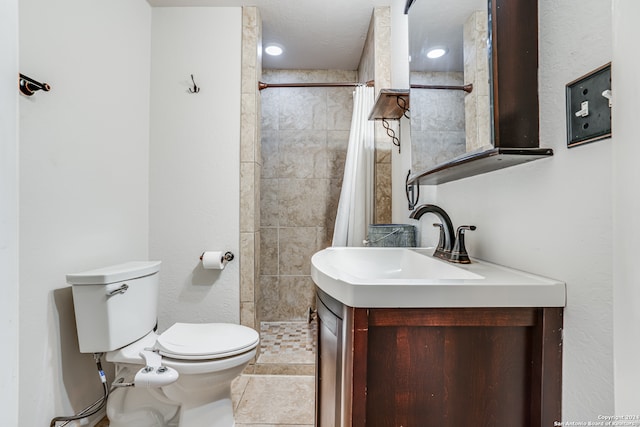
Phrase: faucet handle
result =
(459, 253)
(440, 251)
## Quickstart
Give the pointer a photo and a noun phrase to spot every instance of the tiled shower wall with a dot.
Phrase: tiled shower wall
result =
(375, 64)
(476, 71)
(250, 163)
(305, 133)
(437, 120)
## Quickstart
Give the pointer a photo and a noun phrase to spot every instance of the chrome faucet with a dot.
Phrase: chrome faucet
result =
(448, 248)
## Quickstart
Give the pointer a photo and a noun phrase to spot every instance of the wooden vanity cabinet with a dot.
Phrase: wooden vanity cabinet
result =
(329, 355)
(444, 367)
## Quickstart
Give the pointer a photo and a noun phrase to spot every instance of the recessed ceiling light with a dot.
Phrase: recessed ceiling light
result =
(273, 50)
(436, 52)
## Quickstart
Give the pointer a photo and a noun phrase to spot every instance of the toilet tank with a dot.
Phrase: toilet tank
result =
(115, 305)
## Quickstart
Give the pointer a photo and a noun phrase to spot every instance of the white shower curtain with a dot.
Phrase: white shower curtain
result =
(355, 208)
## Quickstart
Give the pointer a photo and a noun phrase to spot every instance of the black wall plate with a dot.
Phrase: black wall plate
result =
(588, 107)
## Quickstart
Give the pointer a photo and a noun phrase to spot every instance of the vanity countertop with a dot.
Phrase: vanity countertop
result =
(412, 278)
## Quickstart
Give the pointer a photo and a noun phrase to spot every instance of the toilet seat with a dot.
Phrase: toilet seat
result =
(206, 341)
(209, 345)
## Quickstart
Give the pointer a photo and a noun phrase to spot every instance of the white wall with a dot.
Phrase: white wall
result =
(195, 140)
(626, 175)
(553, 217)
(9, 211)
(83, 180)
(400, 161)
(84, 174)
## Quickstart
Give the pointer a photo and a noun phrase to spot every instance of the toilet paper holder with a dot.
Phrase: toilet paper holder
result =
(228, 256)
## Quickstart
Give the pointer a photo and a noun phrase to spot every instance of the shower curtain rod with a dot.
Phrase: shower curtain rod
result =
(262, 85)
(467, 88)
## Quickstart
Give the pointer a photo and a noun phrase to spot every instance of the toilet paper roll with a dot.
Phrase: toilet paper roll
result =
(213, 260)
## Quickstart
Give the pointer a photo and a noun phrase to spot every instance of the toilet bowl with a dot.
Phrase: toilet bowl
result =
(179, 378)
(207, 357)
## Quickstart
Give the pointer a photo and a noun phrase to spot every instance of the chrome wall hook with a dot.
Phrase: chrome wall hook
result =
(195, 89)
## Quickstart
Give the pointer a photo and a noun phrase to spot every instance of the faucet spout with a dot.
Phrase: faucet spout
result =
(447, 226)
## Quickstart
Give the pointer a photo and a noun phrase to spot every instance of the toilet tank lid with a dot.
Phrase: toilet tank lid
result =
(114, 273)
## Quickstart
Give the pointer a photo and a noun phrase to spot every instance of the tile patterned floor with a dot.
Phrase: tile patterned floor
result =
(286, 399)
(274, 400)
(287, 342)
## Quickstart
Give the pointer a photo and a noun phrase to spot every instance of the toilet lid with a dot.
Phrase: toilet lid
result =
(196, 341)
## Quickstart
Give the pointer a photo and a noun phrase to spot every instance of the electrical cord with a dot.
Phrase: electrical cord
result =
(88, 411)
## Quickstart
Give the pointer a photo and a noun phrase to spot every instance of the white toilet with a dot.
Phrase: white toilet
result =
(180, 378)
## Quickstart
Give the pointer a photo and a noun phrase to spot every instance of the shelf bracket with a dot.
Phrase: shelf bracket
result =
(391, 104)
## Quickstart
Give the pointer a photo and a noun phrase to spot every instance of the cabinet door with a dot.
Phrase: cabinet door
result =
(329, 368)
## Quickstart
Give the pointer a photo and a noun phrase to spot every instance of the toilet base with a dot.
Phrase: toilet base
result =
(213, 414)
(196, 399)
(131, 407)
(203, 401)
(152, 408)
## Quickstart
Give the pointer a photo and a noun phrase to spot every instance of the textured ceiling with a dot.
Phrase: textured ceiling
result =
(437, 23)
(315, 34)
(330, 34)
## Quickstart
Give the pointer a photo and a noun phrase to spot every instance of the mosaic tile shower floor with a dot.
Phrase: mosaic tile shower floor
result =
(287, 342)
(286, 348)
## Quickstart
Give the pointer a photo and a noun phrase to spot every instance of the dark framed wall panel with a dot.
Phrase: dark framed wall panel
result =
(515, 73)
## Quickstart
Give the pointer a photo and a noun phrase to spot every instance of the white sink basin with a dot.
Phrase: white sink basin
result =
(405, 277)
(386, 265)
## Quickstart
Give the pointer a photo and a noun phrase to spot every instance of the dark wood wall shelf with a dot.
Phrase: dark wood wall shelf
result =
(478, 163)
(391, 104)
